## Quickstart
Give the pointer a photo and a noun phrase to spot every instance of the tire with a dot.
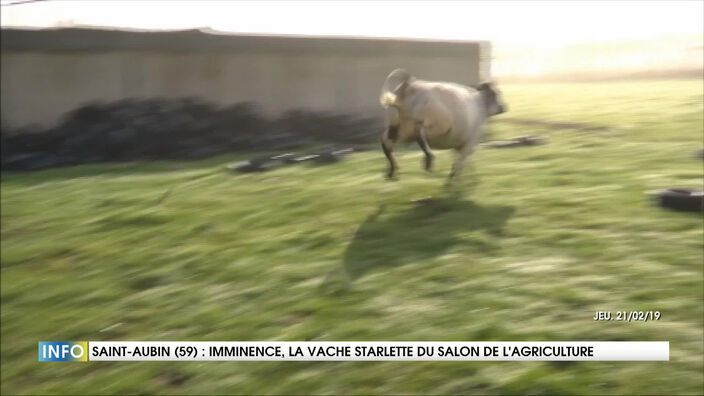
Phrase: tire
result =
(253, 166)
(518, 141)
(327, 158)
(681, 199)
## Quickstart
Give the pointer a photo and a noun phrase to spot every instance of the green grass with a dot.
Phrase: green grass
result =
(527, 247)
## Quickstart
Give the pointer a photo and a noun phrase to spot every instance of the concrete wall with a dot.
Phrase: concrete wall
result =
(45, 74)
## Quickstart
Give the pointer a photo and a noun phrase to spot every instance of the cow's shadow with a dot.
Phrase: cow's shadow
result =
(391, 238)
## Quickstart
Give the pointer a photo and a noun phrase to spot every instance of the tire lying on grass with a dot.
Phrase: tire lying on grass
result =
(327, 158)
(680, 199)
(302, 158)
(262, 164)
(249, 166)
(518, 141)
(259, 164)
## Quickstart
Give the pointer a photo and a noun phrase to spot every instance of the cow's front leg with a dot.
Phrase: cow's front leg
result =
(387, 142)
(462, 154)
(423, 143)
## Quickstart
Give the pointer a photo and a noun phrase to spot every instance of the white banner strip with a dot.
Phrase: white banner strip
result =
(378, 351)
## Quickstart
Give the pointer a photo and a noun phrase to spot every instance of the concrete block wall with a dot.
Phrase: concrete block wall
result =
(46, 73)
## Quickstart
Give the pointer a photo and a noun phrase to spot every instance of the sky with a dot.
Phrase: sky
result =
(536, 29)
(505, 22)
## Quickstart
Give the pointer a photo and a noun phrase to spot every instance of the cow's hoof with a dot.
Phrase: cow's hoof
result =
(391, 176)
(428, 163)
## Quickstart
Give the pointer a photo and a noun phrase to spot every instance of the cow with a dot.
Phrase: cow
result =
(437, 115)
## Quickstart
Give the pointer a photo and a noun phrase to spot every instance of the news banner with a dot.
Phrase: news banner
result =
(94, 351)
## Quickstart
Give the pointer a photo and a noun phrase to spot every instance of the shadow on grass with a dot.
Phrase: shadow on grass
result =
(425, 230)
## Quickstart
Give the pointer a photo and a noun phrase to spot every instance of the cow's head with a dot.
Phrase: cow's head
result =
(492, 99)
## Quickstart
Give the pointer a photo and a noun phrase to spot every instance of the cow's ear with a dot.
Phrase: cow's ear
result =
(486, 86)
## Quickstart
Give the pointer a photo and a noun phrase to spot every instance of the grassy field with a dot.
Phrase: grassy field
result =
(528, 246)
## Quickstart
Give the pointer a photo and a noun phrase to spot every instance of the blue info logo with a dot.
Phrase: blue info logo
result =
(63, 351)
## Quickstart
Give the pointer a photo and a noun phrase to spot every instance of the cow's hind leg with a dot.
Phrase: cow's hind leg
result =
(387, 141)
(423, 143)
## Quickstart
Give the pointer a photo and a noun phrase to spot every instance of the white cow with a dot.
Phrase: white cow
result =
(439, 115)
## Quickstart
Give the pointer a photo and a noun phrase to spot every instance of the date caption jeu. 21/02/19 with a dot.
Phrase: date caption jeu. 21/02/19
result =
(627, 316)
